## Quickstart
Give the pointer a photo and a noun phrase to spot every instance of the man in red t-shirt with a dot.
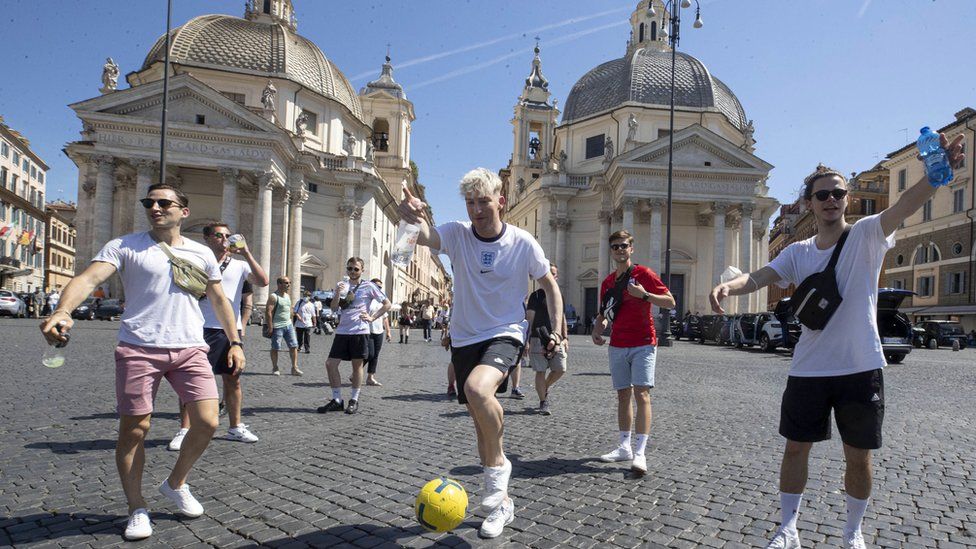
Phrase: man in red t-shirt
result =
(626, 298)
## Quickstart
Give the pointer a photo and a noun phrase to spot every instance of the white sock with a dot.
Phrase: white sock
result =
(355, 394)
(789, 505)
(640, 443)
(855, 514)
(336, 394)
(625, 439)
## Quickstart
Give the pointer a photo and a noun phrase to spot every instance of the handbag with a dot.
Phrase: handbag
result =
(817, 298)
(187, 276)
(613, 299)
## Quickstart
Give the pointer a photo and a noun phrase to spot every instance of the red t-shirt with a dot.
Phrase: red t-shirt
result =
(633, 325)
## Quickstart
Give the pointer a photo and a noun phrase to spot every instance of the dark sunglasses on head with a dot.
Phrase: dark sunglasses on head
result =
(836, 193)
(616, 247)
(164, 203)
(353, 269)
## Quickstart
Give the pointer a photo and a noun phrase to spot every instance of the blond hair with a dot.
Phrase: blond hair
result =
(481, 182)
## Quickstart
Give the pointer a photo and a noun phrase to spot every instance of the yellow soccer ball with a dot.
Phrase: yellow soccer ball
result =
(441, 505)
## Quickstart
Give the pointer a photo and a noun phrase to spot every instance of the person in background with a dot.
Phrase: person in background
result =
(305, 321)
(405, 321)
(377, 330)
(278, 325)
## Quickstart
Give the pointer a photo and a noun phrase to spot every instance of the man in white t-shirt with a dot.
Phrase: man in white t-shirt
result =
(351, 340)
(161, 336)
(305, 321)
(838, 368)
(492, 263)
(234, 273)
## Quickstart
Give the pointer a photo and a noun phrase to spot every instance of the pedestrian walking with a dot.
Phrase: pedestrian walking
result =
(234, 274)
(540, 359)
(351, 341)
(318, 314)
(378, 329)
(164, 275)
(626, 296)
(305, 321)
(492, 263)
(427, 318)
(405, 321)
(837, 367)
(279, 327)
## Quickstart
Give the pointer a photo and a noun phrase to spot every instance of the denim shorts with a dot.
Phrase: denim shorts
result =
(632, 366)
(286, 332)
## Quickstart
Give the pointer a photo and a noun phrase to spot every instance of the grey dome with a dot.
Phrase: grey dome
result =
(646, 78)
(229, 43)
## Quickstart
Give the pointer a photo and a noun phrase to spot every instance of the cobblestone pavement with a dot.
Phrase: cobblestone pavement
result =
(333, 480)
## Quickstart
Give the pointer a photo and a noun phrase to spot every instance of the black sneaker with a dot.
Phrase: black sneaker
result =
(451, 391)
(332, 406)
(353, 406)
(517, 393)
(221, 409)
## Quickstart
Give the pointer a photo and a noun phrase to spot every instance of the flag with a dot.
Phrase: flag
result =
(37, 245)
(24, 238)
(4, 229)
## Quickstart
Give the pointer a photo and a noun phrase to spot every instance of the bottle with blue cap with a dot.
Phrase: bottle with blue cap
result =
(937, 166)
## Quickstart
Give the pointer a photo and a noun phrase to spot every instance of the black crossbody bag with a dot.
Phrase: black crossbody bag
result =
(817, 298)
(613, 299)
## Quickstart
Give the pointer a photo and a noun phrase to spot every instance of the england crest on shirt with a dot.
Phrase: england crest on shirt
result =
(488, 259)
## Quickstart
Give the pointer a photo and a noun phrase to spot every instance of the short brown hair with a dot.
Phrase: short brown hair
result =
(210, 228)
(356, 260)
(184, 201)
(622, 234)
(819, 173)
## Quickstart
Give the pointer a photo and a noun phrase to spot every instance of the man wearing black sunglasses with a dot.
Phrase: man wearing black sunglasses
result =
(838, 368)
(161, 336)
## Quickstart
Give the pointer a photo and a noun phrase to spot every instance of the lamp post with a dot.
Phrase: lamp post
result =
(162, 128)
(670, 30)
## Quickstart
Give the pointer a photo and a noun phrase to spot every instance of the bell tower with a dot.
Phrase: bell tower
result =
(390, 115)
(534, 128)
(271, 12)
(645, 27)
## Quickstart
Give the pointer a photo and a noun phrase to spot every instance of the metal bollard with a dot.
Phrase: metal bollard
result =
(955, 344)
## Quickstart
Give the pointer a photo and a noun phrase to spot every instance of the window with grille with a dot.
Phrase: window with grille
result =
(594, 146)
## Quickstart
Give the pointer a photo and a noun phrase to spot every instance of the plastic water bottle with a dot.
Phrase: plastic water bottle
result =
(54, 354)
(406, 242)
(344, 287)
(730, 273)
(936, 164)
(236, 241)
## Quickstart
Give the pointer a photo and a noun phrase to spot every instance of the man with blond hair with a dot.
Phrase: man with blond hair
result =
(492, 263)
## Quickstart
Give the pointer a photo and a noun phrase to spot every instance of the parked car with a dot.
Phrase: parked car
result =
(894, 328)
(770, 330)
(572, 324)
(85, 311)
(714, 328)
(690, 328)
(12, 305)
(942, 332)
(748, 329)
(110, 309)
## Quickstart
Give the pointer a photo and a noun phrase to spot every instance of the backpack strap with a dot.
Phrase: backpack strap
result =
(840, 246)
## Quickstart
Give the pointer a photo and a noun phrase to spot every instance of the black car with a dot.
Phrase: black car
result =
(85, 311)
(714, 328)
(690, 328)
(110, 309)
(942, 332)
(894, 328)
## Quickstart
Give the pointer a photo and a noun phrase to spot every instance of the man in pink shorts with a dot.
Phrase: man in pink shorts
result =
(161, 336)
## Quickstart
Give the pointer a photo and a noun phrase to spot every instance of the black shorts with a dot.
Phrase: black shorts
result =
(350, 347)
(501, 352)
(219, 347)
(857, 401)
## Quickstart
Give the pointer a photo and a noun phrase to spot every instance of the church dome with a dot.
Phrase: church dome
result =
(266, 49)
(645, 78)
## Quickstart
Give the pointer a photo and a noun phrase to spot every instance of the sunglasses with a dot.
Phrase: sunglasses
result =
(164, 203)
(616, 247)
(836, 193)
(221, 235)
(353, 269)
(285, 283)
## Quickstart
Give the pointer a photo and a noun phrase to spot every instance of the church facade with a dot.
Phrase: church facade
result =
(604, 167)
(266, 134)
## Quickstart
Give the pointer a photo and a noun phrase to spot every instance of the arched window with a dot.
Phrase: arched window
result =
(381, 135)
(654, 31)
(640, 33)
(927, 253)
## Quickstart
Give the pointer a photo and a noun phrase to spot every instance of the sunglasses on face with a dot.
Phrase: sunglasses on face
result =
(353, 269)
(164, 203)
(221, 235)
(616, 247)
(836, 193)
(285, 283)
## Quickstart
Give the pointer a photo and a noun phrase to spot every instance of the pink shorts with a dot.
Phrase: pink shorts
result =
(138, 371)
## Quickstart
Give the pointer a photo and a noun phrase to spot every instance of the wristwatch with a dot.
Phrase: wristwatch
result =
(647, 296)
(237, 344)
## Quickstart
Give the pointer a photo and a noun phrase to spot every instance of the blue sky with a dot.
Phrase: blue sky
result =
(842, 82)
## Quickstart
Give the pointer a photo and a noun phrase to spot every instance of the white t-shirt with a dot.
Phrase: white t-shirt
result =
(232, 281)
(350, 322)
(491, 280)
(157, 312)
(849, 343)
(305, 311)
(376, 326)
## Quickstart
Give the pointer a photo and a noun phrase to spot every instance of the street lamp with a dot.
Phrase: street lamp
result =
(670, 30)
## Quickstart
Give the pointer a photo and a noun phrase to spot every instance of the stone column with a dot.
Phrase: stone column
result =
(628, 207)
(298, 197)
(745, 252)
(655, 262)
(352, 215)
(229, 203)
(83, 238)
(144, 173)
(718, 261)
(604, 264)
(104, 191)
(562, 226)
(279, 232)
(262, 231)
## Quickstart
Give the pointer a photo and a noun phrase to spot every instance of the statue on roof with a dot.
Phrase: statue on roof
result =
(110, 76)
(301, 123)
(608, 150)
(268, 96)
(632, 125)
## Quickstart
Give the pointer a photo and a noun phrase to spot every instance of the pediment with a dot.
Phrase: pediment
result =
(589, 274)
(695, 146)
(310, 260)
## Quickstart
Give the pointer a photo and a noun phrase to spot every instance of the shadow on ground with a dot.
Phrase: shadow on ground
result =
(372, 535)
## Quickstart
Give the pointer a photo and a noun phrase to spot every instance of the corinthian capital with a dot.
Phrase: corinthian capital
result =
(146, 168)
(298, 196)
(265, 179)
(229, 175)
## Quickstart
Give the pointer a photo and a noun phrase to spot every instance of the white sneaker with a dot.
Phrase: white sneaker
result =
(785, 539)
(639, 465)
(498, 519)
(622, 453)
(854, 541)
(138, 526)
(496, 485)
(177, 441)
(184, 500)
(241, 434)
